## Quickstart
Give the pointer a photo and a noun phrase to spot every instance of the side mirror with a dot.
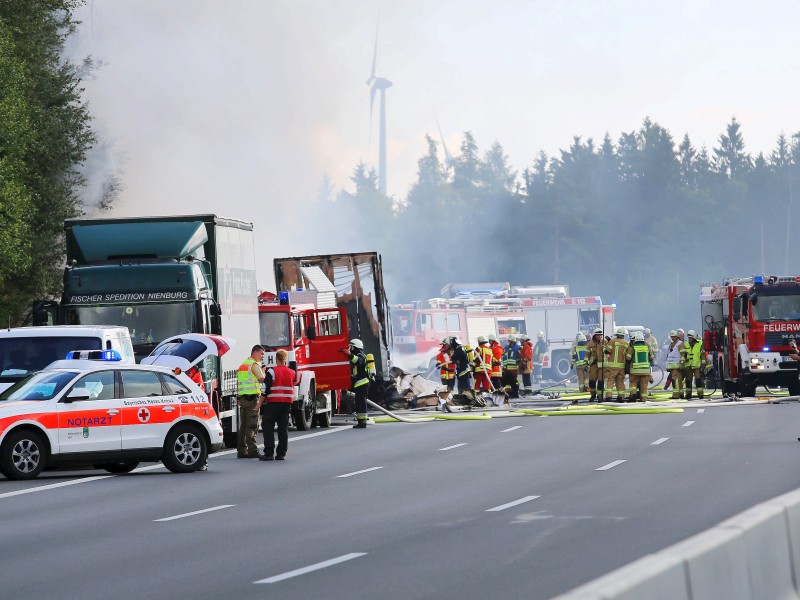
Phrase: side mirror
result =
(311, 331)
(76, 394)
(214, 310)
(737, 308)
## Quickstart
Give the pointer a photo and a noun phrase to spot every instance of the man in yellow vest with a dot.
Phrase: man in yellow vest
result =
(359, 380)
(640, 356)
(249, 377)
(616, 351)
(695, 362)
(578, 356)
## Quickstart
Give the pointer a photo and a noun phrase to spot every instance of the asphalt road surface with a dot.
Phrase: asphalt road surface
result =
(523, 507)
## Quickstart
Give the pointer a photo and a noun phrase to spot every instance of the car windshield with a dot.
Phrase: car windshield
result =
(274, 329)
(785, 307)
(403, 322)
(38, 386)
(148, 323)
(22, 355)
(191, 350)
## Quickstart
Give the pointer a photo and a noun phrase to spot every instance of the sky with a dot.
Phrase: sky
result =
(242, 107)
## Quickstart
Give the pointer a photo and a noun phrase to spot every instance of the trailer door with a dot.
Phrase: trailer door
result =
(331, 367)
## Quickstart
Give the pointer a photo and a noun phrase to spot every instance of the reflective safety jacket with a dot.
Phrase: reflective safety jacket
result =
(459, 356)
(246, 382)
(641, 357)
(615, 353)
(483, 360)
(539, 350)
(282, 388)
(511, 357)
(497, 359)
(526, 358)
(594, 353)
(359, 375)
(676, 355)
(447, 370)
(694, 355)
(579, 355)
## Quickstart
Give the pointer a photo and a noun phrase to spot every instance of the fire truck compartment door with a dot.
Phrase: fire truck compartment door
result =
(331, 367)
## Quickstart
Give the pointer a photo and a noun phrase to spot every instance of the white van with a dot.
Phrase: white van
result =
(24, 350)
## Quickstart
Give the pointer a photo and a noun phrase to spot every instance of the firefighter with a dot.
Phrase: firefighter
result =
(641, 357)
(539, 350)
(526, 363)
(359, 380)
(497, 362)
(615, 351)
(651, 341)
(695, 364)
(595, 360)
(482, 366)
(458, 355)
(578, 357)
(511, 367)
(687, 370)
(676, 360)
(447, 370)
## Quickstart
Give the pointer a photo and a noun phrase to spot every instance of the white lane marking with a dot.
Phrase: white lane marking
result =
(611, 465)
(359, 472)
(511, 428)
(196, 512)
(451, 447)
(514, 503)
(51, 486)
(687, 424)
(310, 568)
(659, 441)
(701, 410)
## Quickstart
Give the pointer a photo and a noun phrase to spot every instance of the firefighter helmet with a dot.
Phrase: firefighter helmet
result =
(680, 331)
(638, 336)
(581, 337)
(598, 331)
(492, 337)
(692, 334)
(621, 331)
(512, 338)
(673, 333)
(481, 339)
(356, 343)
(524, 338)
(647, 331)
(540, 334)
(446, 341)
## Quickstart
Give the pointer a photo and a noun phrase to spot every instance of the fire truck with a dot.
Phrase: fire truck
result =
(501, 311)
(747, 326)
(313, 337)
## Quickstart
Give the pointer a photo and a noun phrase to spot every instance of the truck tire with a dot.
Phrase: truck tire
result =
(794, 388)
(322, 419)
(747, 388)
(185, 449)
(23, 455)
(303, 416)
(561, 366)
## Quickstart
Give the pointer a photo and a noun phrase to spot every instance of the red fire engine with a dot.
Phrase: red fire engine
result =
(747, 326)
(314, 338)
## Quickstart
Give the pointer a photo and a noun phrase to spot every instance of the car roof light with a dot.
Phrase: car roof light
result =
(283, 298)
(758, 279)
(102, 355)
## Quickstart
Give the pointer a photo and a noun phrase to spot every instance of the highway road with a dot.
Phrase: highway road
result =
(523, 507)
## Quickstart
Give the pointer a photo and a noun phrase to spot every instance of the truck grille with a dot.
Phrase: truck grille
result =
(780, 338)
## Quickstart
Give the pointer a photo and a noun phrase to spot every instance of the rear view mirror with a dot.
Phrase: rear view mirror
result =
(311, 331)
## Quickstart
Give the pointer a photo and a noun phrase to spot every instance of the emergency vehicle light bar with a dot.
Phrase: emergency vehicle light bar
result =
(105, 355)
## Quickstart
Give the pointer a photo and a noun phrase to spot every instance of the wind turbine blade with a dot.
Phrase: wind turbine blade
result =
(374, 56)
(447, 158)
(371, 104)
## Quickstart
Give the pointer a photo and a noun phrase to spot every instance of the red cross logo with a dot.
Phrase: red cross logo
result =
(144, 415)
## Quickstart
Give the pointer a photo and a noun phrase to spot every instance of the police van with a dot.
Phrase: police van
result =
(24, 350)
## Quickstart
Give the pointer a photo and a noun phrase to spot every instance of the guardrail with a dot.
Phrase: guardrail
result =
(754, 555)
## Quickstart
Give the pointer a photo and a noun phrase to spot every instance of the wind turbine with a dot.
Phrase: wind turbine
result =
(379, 84)
(448, 158)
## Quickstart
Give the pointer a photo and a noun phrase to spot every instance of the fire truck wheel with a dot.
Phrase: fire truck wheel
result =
(303, 417)
(794, 388)
(322, 419)
(746, 387)
(561, 366)
(117, 468)
(185, 449)
(23, 455)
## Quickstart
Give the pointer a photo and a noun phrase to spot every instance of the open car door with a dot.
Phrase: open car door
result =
(332, 368)
(185, 351)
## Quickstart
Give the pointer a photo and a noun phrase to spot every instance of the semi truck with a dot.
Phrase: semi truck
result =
(165, 276)
(748, 323)
(354, 284)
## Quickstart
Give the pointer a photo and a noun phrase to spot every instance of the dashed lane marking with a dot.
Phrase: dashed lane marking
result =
(193, 513)
(454, 446)
(310, 568)
(701, 410)
(511, 428)
(360, 472)
(611, 465)
(514, 503)
(659, 441)
(688, 424)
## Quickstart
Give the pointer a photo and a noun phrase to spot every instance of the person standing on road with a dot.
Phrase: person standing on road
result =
(676, 359)
(615, 352)
(249, 378)
(695, 363)
(275, 406)
(539, 350)
(578, 356)
(483, 366)
(511, 367)
(447, 370)
(497, 362)
(526, 364)
(651, 341)
(640, 356)
(595, 359)
(359, 380)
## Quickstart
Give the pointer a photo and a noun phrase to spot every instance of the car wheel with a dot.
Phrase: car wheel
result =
(185, 450)
(23, 455)
(303, 416)
(117, 468)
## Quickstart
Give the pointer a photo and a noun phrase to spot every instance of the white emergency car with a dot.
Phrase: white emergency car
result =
(93, 409)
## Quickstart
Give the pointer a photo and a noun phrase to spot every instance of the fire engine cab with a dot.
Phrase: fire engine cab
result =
(747, 326)
(313, 336)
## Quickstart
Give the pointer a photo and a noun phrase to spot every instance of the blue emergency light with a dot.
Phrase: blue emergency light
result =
(766, 349)
(283, 298)
(104, 355)
(758, 279)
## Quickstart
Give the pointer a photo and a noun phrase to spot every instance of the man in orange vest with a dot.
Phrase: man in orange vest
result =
(526, 364)
(497, 362)
(483, 365)
(277, 405)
